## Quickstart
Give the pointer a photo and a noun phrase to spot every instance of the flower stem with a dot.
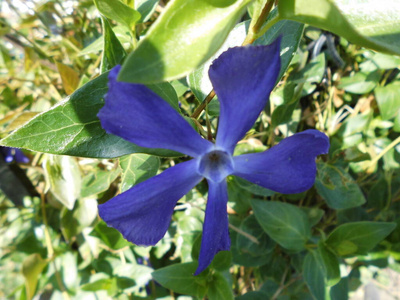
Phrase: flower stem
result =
(252, 35)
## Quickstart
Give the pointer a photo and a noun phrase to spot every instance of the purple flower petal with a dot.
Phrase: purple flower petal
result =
(215, 230)
(137, 114)
(288, 167)
(143, 213)
(243, 78)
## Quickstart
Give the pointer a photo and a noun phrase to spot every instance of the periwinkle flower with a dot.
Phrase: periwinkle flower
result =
(243, 78)
(13, 154)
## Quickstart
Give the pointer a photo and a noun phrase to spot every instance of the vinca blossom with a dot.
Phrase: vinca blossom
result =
(13, 154)
(243, 78)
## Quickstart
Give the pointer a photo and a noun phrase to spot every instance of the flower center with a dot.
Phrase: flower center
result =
(216, 165)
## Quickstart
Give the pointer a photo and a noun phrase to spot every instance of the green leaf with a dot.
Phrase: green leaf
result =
(113, 52)
(179, 278)
(108, 284)
(255, 295)
(314, 273)
(72, 127)
(222, 261)
(186, 34)
(388, 99)
(97, 182)
(69, 77)
(360, 82)
(358, 237)
(310, 75)
(82, 216)
(361, 22)
(137, 168)
(287, 224)
(32, 267)
(64, 178)
(337, 187)
(253, 188)
(331, 264)
(145, 8)
(219, 288)
(110, 236)
(246, 245)
(118, 11)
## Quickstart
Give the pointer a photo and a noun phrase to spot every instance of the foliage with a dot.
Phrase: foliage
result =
(319, 244)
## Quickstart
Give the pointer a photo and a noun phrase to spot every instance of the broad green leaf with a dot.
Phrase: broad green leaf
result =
(287, 224)
(145, 8)
(108, 284)
(118, 11)
(388, 99)
(186, 34)
(179, 278)
(110, 236)
(367, 23)
(97, 181)
(69, 77)
(360, 82)
(82, 216)
(248, 246)
(358, 237)
(337, 187)
(222, 261)
(290, 32)
(113, 52)
(331, 264)
(137, 168)
(340, 291)
(64, 178)
(32, 267)
(72, 127)
(314, 273)
(219, 288)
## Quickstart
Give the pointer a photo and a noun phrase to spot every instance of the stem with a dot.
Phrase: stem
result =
(249, 236)
(384, 151)
(252, 35)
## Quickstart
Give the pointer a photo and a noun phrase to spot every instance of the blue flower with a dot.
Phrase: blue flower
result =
(243, 78)
(13, 154)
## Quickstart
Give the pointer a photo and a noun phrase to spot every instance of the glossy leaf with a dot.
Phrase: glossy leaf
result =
(366, 23)
(358, 237)
(337, 187)
(287, 224)
(194, 28)
(97, 182)
(180, 279)
(118, 11)
(72, 127)
(113, 52)
(64, 178)
(137, 168)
